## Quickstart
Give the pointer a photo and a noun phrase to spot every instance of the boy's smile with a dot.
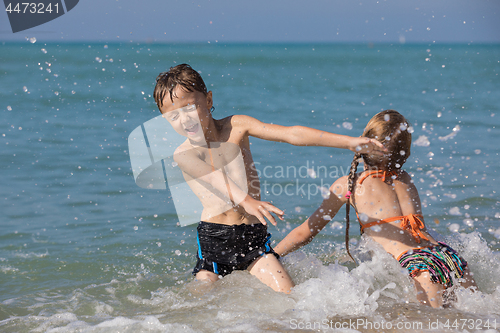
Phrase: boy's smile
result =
(188, 113)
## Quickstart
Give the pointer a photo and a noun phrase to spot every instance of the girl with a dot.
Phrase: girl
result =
(388, 209)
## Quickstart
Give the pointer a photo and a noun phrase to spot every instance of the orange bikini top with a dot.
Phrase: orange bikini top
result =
(378, 174)
(411, 223)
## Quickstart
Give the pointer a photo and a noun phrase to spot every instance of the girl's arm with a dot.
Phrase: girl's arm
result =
(306, 136)
(304, 233)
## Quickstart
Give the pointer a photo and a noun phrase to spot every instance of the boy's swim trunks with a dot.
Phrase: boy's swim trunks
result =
(441, 261)
(224, 248)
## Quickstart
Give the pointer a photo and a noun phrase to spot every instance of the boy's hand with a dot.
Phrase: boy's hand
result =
(261, 209)
(364, 145)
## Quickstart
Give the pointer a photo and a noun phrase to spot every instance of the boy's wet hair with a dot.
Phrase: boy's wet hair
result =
(391, 129)
(181, 75)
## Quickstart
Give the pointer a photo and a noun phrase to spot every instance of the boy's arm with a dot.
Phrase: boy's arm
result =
(304, 233)
(306, 136)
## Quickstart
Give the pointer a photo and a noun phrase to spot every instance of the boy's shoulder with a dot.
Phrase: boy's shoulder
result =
(183, 147)
(185, 150)
(239, 122)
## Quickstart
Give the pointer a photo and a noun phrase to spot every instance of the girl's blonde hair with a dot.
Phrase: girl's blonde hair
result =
(391, 129)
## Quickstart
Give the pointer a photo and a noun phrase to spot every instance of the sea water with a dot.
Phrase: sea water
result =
(84, 249)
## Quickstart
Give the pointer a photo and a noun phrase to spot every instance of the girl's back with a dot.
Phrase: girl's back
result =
(385, 204)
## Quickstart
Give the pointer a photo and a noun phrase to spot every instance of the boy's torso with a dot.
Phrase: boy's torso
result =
(232, 155)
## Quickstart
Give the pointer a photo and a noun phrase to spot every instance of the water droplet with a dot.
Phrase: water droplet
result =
(497, 234)
(336, 225)
(422, 141)
(325, 192)
(311, 173)
(376, 228)
(454, 227)
(469, 223)
(455, 211)
(363, 217)
(347, 125)
(298, 209)
(44, 50)
(387, 117)
(9, 108)
(327, 217)
(178, 252)
(136, 228)
(32, 40)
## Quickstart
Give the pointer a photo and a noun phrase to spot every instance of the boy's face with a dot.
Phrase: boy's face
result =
(188, 113)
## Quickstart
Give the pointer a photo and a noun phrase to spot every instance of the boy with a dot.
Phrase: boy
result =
(217, 164)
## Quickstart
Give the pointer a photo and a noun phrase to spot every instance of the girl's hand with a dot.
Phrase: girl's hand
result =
(261, 209)
(364, 145)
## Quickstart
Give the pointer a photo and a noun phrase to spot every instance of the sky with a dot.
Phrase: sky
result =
(404, 21)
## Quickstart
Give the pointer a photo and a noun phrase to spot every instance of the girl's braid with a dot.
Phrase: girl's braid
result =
(350, 188)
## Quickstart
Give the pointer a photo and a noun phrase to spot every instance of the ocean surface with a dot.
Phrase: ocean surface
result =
(84, 249)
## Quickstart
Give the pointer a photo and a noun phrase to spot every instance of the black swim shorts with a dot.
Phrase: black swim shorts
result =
(224, 248)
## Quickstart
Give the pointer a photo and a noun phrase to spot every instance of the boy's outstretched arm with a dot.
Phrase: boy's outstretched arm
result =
(305, 232)
(306, 136)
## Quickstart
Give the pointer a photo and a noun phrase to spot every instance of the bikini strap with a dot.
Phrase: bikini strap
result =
(414, 225)
(377, 174)
(388, 220)
(411, 223)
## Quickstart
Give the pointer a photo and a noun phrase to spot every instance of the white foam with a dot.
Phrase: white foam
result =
(333, 290)
(241, 303)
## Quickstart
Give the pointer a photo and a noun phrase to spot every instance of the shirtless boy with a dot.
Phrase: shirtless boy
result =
(217, 164)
